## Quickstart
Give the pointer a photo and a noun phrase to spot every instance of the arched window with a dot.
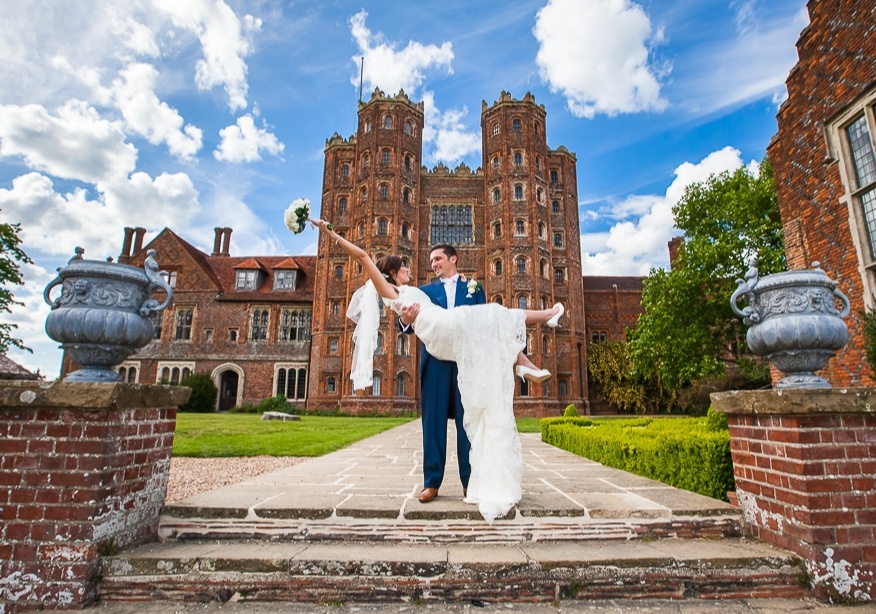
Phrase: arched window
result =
(516, 124)
(375, 385)
(379, 348)
(336, 308)
(498, 299)
(400, 386)
(409, 162)
(384, 157)
(387, 121)
(366, 161)
(495, 163)
(405, 231)
(401, 345)
(497, 267)
(497, 230)
(555, 206)
(558, 276)
(518, 159)
(406, 197)
(545, 345)
(562, 388)
(542, 230)
(342, 205)
(558, 239)
(409, 128)
(363, 194)
(521, 301)
(521, 265)
(518, 192)
(496, 129)
(542, 268)
(382, 227)
(345, 170)
(520, 227)
(330, 384)
(360, 230)
(538, 163)
(539, 195)
(339, 272)
(384, 191)
(333, 346)
(496, 195)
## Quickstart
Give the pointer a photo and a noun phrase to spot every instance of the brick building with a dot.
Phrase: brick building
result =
(824, 164)
(266, 325)
(514, 223)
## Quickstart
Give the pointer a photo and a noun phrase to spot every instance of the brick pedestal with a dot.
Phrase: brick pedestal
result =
(83, 472)
(805, 468)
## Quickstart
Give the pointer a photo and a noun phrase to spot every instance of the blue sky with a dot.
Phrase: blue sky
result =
(201, 113)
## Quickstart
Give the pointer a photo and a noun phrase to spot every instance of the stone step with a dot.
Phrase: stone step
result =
(531, 571)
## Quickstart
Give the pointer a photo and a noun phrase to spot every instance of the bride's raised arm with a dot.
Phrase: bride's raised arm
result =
(384, 288)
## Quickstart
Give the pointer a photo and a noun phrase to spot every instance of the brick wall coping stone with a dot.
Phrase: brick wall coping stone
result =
(796, 402)
(89, 396)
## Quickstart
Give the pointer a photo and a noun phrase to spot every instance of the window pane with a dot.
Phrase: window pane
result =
(868, 204)
(862, 151)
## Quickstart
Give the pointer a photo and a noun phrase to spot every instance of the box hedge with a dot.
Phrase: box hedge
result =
(688, 453)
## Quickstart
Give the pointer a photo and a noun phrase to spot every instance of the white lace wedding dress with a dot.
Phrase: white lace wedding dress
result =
(483, 341)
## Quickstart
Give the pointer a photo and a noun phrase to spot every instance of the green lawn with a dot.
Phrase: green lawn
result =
(219, 435)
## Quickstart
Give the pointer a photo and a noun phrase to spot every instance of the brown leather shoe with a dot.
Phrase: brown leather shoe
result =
(427, 494)
(464, 493)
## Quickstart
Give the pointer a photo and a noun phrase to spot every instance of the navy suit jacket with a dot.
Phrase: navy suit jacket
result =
(435, 291)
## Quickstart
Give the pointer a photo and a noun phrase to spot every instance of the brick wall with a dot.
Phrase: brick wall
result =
(805, 469)
(83, 472)
(837, 64)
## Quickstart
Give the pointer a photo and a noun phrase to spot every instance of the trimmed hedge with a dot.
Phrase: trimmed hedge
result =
(688, 453)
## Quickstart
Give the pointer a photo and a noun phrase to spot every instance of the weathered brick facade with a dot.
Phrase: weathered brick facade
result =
(83, 473)
(820, 198)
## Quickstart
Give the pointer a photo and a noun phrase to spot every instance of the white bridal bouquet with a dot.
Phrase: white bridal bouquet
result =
(297, 215)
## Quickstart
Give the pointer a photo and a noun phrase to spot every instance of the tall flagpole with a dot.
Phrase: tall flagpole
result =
(361, 76)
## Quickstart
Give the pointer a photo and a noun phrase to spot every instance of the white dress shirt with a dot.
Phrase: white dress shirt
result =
(450, 290)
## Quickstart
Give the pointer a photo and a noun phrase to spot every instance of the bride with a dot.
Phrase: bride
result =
(484, 340)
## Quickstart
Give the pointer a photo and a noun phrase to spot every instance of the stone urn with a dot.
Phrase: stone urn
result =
(102, 314)
(795, 323)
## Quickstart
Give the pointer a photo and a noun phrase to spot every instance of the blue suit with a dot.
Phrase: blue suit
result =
(440, 400)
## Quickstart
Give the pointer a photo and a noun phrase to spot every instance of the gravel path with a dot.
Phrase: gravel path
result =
(192, 476)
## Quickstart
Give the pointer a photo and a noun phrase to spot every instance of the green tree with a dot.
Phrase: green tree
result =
(204, 393)
(611, 372)
(688, 331)
(11, 259)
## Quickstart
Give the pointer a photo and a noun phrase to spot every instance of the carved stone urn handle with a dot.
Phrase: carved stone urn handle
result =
(156, 280)
(745, 287)
(57, 281)
(847, 306)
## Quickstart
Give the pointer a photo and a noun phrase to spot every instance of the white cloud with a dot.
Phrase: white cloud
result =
(243, 141)
(392, 69)
(754, 63)
(74, 143)
(633, 247)
(147, 116)
(446, 132)
(225, 40)
(596, 53)
(55, 223)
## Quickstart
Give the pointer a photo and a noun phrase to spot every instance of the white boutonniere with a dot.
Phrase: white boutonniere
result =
(297, 215)
(472, 287)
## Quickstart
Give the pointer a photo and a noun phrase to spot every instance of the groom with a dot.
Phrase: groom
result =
(439, 391)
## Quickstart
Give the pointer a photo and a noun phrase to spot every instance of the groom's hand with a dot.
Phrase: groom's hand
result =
(408, 314)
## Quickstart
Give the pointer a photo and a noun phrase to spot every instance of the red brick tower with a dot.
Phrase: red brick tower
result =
(370, 193)
(532, 242)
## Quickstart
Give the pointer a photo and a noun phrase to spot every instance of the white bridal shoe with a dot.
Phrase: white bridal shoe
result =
(556, 318)
(536, 375)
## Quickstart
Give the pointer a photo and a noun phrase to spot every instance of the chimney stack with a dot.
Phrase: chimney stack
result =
(674, 246)
(126, 245)
(217, 238)
(139, 233)
(226, 247)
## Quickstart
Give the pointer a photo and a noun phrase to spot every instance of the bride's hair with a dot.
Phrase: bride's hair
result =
(390, 266)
